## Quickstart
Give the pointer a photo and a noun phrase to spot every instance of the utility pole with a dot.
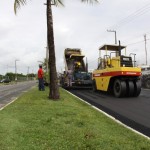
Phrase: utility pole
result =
(7, 68)
(16, 69)
(32, 75)
(145, 47)
(28, 74)
(115, 35)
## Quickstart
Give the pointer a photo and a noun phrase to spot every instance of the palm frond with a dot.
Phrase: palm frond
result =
(17, 4)
(90, 1)
(58, 2)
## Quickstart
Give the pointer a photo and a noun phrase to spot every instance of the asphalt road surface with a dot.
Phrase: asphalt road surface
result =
(134, 112)
(10, 92)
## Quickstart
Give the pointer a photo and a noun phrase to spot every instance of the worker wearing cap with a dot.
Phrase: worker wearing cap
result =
(77, 66)
(40, 78)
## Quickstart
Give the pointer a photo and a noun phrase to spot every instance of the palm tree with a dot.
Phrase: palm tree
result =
(54, 90)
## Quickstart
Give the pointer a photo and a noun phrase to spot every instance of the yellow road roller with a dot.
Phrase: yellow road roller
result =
(117, 72)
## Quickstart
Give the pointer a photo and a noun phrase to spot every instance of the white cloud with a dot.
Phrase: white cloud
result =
(76, 25)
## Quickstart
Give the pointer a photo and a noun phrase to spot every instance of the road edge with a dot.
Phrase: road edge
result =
(111, 117)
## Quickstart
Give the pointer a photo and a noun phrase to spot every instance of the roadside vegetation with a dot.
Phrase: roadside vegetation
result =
(33, 122)
(20, 77)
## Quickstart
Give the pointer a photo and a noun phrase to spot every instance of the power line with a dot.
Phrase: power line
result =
(132, 16)
(137, 42)
(137, 36)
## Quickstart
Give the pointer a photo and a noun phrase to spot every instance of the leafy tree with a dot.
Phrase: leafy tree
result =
(31, 75)
(54, 90)
(12, 76)
(44, 65)
(1, 77)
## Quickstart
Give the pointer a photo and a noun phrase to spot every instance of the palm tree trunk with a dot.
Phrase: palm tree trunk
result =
(54, 89)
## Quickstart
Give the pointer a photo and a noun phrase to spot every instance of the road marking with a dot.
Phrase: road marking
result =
(111, 117)
(13, 99)
(24, 91)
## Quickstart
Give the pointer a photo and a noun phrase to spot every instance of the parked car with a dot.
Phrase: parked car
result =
(5, 81)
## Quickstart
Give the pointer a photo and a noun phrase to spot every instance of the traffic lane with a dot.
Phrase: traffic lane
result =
(134, 111)
(135, 108)
(10, 92)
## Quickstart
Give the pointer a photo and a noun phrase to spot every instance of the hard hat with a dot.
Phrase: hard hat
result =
(78, 63)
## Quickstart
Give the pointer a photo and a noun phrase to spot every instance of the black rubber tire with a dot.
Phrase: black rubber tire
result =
(119, 88)
(147, 83)
(137, 88)
(94, 87)
(130, 88)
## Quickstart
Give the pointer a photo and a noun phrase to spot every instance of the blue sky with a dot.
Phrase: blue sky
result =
(77, 25)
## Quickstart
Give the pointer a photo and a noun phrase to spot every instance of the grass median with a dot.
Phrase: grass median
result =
(33, 122)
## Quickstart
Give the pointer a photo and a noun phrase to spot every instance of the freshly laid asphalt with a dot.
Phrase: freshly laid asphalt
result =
(11, 91)
(133, 111)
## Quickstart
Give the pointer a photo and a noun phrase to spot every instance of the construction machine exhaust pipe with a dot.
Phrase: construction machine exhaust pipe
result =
(119, 49)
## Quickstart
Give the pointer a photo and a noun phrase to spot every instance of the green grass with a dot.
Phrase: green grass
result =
(33, 122)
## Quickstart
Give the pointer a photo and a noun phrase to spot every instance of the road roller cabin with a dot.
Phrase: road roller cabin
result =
(116, 72)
